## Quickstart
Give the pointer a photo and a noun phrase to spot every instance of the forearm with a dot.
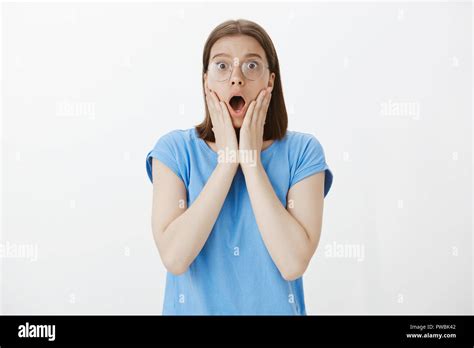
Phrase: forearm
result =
(184, 238)
(286, 240)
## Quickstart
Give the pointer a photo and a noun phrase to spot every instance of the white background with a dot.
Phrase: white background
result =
(88, 88)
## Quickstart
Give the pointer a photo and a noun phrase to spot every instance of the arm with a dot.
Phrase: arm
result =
(291, 236)
(179, 232)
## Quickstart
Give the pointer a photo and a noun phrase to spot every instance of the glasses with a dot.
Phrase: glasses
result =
(221, 69)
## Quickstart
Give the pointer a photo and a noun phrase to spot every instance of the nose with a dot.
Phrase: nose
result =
(236, 78)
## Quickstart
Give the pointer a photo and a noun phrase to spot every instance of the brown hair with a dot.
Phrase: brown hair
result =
(276, 122)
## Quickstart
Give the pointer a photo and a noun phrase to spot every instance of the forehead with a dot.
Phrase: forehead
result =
(237, 46)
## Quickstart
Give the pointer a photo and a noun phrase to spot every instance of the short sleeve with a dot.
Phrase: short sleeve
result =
(310, 160)
(167, 150)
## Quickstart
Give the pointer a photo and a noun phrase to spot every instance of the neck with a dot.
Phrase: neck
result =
(237, 134)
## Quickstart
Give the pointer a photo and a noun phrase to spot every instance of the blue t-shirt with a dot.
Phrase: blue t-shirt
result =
(234, 274)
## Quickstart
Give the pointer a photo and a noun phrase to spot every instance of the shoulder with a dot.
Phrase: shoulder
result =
(307, 157)
(300, 142)
(176, 136)
(172, 149)
(175, 140)
(297, 136)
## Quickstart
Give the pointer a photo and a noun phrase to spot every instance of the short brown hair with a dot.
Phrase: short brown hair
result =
(276, 122)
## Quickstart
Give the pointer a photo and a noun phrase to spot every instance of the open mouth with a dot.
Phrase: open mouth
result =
(237, 103)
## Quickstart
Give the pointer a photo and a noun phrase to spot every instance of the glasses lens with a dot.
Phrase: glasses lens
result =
(253, 69)
(220, 69)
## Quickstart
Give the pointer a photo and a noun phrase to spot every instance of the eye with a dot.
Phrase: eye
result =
(252, 65)
(221, 65)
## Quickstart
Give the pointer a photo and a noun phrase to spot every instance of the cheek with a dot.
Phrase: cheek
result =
(211, 84)
(216, 89)
(256, 91)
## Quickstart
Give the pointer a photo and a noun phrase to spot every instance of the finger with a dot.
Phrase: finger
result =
(216, 100)
(208, 102)
(225, 112)
(248, 114)
(206, 89)
(267, 99)
(213, 93)
(258, 102)
(262, 95)
(211, 105)
(216, 109)
(262, 112)
(265, 109)
(212, 112)
(258, 106)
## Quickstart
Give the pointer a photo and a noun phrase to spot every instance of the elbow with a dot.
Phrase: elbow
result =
(290, 276)
(176, 270)
(169, 257)
(297, 268)
(294, 272)
(174, 265)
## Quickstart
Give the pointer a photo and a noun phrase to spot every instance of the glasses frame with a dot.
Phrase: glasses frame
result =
(266, 66)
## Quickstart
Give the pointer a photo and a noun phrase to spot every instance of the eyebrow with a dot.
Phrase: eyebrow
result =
(247, 55)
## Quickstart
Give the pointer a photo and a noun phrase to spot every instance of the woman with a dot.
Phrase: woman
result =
(238, 199)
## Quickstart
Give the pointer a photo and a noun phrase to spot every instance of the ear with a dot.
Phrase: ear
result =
(271, 81)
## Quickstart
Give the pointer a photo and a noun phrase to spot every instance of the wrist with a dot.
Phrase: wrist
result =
(228, 166)
(251, 166)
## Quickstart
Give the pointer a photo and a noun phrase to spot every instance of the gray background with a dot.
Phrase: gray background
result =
(88, 89)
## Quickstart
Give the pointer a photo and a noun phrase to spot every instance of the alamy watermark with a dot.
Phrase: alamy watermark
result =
(400, 108)
(21, 251)
(67, 108)
(345, 251)
(233, 156)
(37, 331)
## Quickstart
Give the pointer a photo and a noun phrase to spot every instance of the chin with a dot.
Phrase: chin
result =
(236, 121)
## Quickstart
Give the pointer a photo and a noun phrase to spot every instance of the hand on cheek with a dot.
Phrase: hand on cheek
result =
(222, 127)
(251, 132)
(209, 90)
